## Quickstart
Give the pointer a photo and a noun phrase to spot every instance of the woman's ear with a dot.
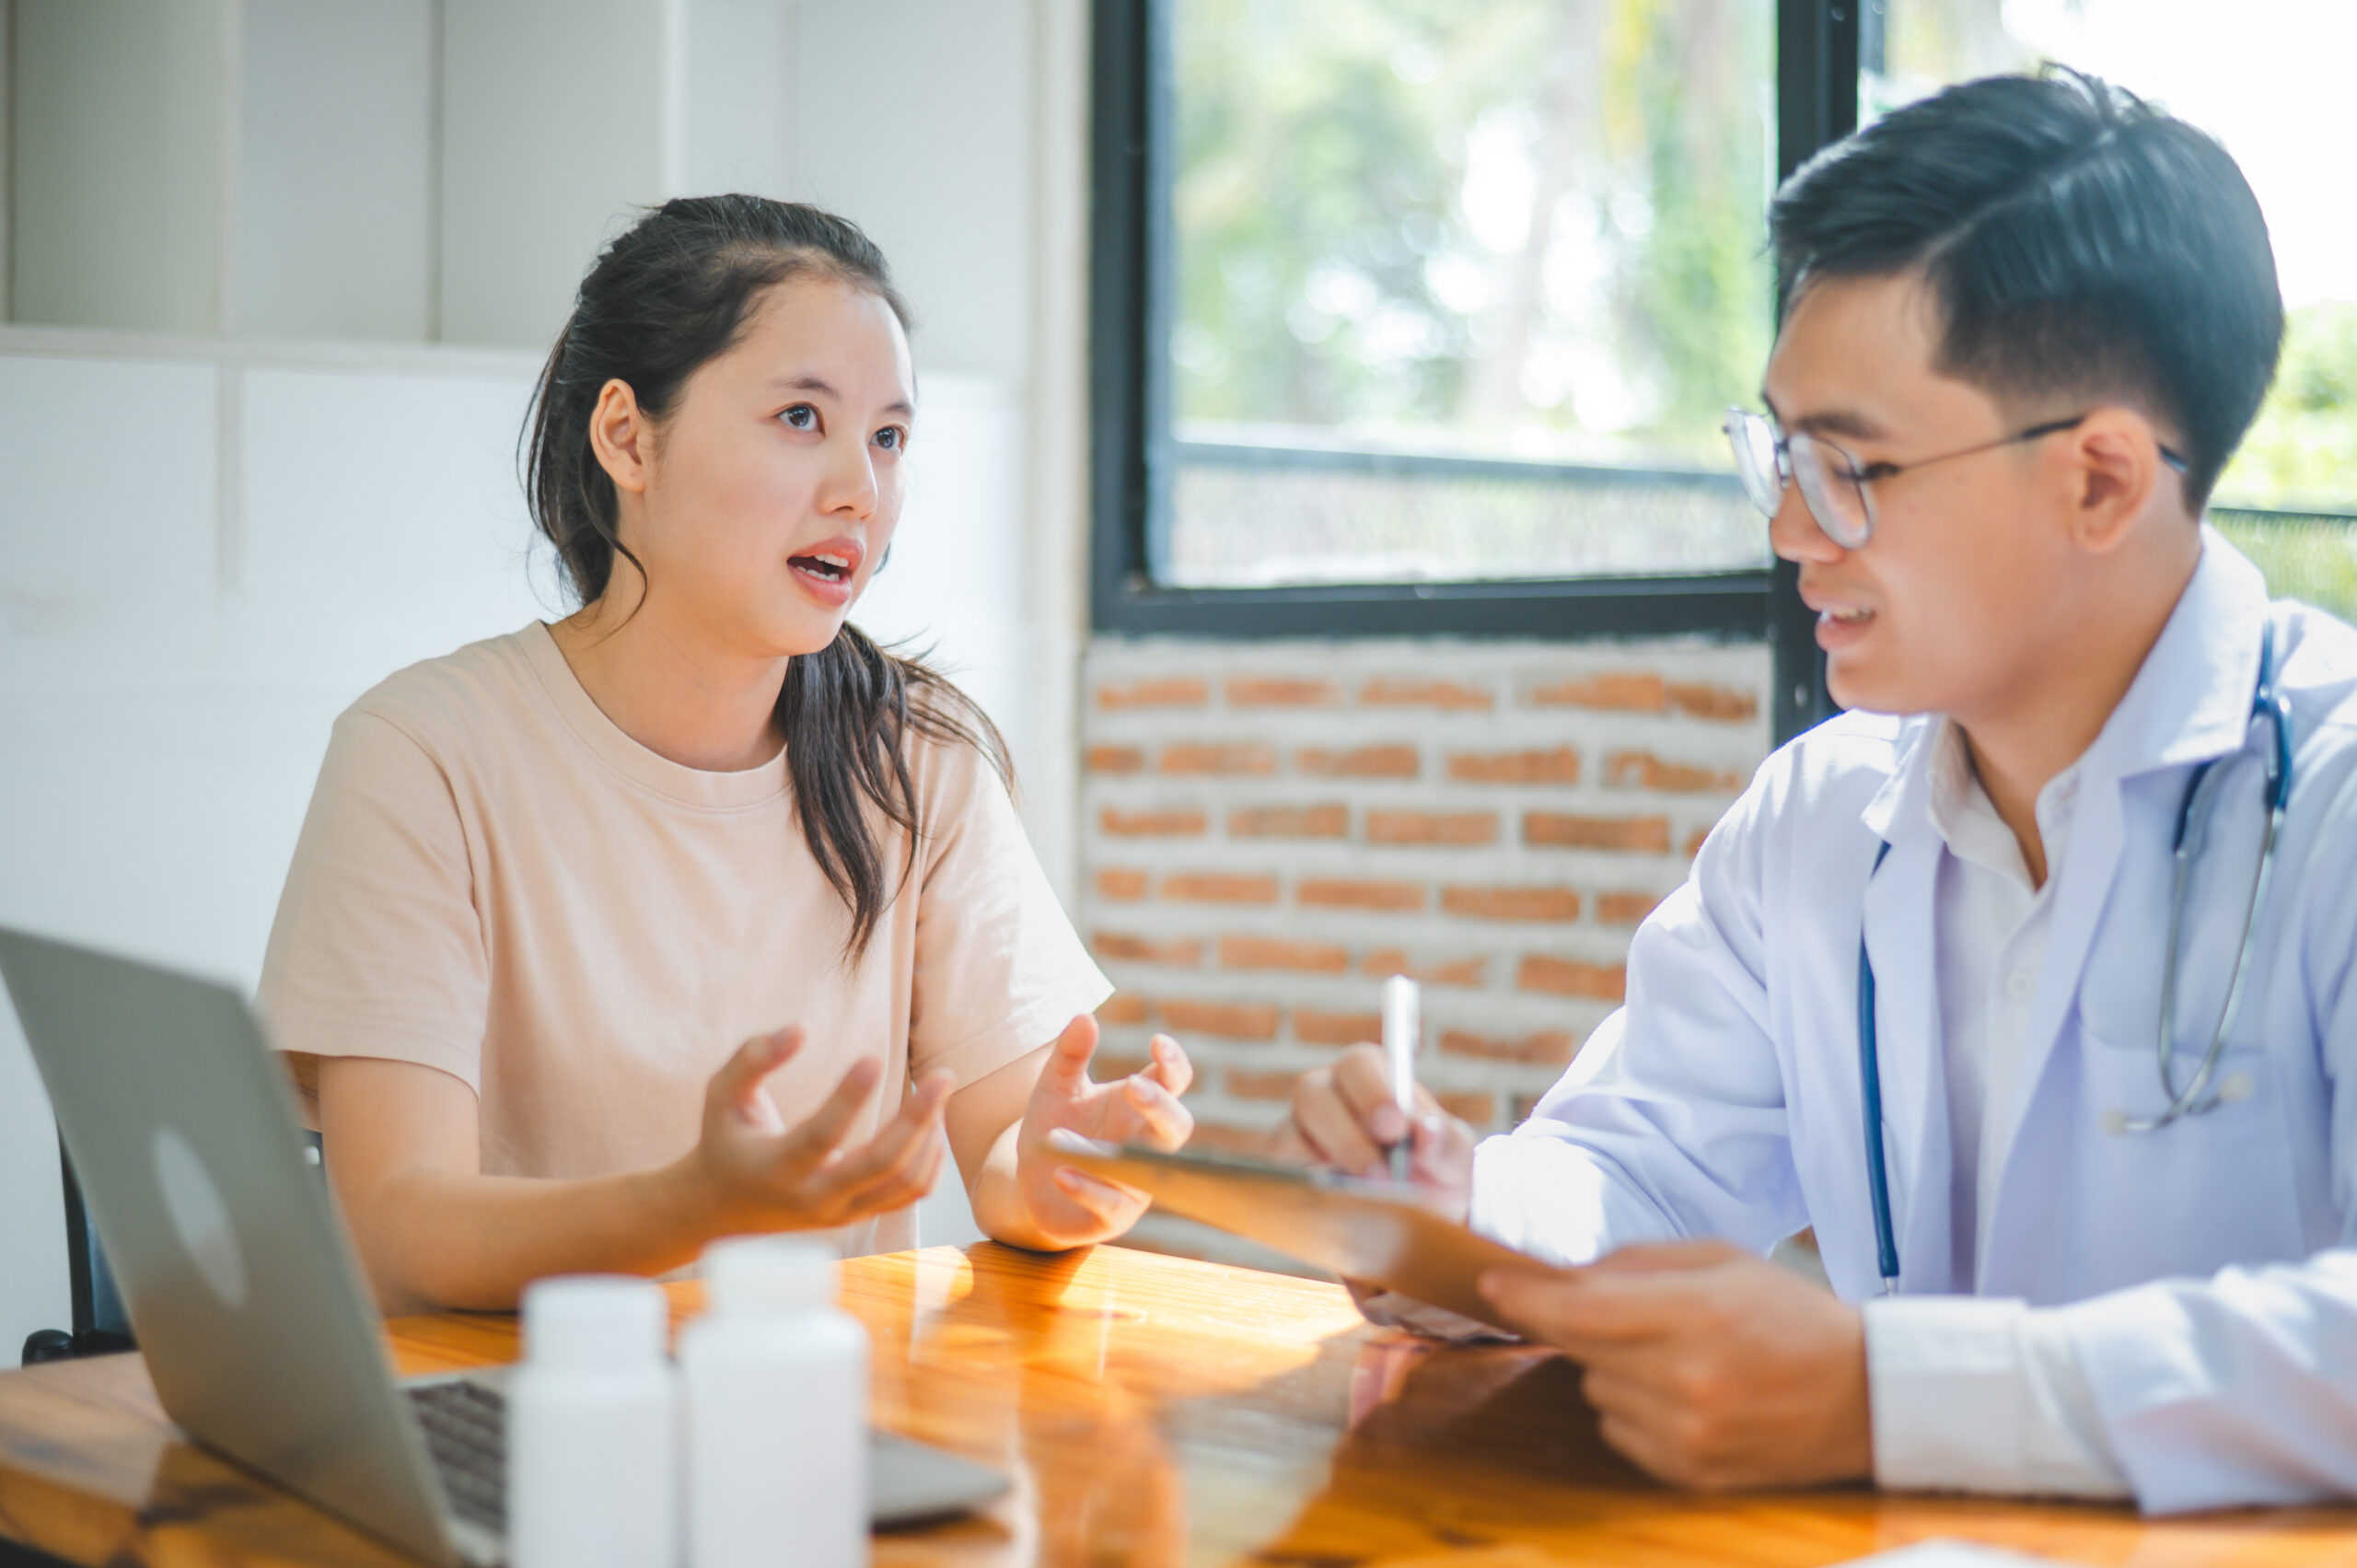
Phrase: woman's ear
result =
(2115, 470)
(622, 436)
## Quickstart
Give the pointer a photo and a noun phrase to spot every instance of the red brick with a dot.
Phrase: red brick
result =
(1625, 909)
(1173, 691)
(1360, 762)
(1279, 692)
(1396, 692)
(1115, 759)
(1512, 903)
(1117, 882)
(1229, 1020)
(1124, 1008)
(1625, 692)
(1313, 1027)
(1341, 893)
(1275, 953)
(1559, 766)
(1327, 822)
(1564, 830)
(1178, 823)
(1722, 704)
(1218, 1138)
(1523, 1107)
(1204, 758)
(1547, 1048)
(1112, 1067)
(1220, 887)
(1384, 962)
(1123, 947)
(1643, 770)
(1694, 841)
(1480, 1109)
(1244, 1082)
(1573, 976)
(1431, 827)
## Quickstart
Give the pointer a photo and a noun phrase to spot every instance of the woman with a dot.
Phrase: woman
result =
(548, 882)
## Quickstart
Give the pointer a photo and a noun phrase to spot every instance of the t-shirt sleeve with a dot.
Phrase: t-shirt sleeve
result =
(377, 949)
(999, 970)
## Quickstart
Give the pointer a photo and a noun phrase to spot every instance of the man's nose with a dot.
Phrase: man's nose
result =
(1794, 533)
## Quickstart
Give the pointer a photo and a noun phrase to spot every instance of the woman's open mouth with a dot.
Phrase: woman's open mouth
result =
(828, 568)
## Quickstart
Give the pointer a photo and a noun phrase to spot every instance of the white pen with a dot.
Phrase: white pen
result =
(1401, 1025)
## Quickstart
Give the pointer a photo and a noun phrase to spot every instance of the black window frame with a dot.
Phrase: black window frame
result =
(1132, 149)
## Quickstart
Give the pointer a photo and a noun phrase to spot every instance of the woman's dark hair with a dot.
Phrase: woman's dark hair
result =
(2080, 242)
(674, 292)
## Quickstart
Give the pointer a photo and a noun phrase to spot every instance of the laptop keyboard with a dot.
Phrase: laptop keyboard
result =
(466, 1429)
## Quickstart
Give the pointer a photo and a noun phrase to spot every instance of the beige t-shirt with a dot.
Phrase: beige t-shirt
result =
(495, 881)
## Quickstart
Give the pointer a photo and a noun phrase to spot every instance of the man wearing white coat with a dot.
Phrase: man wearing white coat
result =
(2024, 324)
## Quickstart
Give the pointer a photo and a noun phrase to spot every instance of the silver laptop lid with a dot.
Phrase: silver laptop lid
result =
(258, 1331)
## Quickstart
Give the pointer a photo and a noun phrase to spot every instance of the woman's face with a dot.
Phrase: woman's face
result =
(775, 486)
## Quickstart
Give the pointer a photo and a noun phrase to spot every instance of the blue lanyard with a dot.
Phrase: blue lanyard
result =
(2267, 704)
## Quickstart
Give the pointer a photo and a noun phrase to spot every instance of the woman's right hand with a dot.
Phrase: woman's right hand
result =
(751, 1172)
(1344, 1118)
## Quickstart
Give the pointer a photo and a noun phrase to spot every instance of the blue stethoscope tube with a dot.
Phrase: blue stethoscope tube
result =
(2192, 825)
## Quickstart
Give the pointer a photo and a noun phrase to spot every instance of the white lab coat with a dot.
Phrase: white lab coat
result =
(2212, 1261)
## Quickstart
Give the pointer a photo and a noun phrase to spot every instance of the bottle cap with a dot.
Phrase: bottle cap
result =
(768, 1273)
(594, 1321)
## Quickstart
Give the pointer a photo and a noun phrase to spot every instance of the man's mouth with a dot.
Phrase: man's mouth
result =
(1843, 615)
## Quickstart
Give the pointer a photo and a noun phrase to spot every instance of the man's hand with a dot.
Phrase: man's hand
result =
(750, 1172)
(1069, 1207)
(1343, 1117)
(1711, 1368)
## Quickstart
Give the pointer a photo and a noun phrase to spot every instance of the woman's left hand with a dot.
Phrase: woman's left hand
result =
(1069, 1207)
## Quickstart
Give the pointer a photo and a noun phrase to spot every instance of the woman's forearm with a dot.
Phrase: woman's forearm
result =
(443, 1239)
(997, 1199)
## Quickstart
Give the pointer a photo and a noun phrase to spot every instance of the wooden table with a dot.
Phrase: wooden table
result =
(1151, 1410)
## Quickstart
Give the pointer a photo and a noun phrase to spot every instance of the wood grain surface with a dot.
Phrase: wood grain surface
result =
(1151, 1410)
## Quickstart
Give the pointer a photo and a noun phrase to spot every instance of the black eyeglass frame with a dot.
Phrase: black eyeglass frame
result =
(1786, 470)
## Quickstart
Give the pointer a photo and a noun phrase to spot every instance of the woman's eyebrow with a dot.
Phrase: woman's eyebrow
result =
(820, 385)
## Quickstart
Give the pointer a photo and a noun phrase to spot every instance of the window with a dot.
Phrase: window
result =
(1417, 317)
(2289, 499)
(1461, 291)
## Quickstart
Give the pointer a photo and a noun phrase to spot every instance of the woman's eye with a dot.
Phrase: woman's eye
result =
(801, 416)
(1872, 471)
(892, 438)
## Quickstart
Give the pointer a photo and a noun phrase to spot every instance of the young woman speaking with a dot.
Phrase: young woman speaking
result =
(696, 913)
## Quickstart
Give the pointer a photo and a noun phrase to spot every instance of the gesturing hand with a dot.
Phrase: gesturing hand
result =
(751, 1172)
(1070, 1208)
(1712, 1368)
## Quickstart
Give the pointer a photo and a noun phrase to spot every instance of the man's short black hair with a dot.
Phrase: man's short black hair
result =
(2081, 244)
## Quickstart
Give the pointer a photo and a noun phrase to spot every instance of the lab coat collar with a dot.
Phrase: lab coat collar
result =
(2191, 700)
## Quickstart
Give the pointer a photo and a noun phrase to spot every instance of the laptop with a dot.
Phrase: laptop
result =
(242, 1289)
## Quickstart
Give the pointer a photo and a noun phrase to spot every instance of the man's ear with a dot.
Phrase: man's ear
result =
(2115, 472)
(622, 436)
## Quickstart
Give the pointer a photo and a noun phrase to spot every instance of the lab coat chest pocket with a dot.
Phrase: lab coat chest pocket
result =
(2194, 1196)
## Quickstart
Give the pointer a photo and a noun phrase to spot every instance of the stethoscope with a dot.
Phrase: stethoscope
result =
(2192, 829)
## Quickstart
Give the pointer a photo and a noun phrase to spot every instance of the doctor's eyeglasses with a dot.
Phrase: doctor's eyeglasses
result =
(1833, 484)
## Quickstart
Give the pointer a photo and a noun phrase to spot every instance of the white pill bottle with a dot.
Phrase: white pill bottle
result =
(592, 1434)
(776, 1379)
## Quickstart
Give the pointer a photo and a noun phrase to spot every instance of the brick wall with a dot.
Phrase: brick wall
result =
(1271, 829)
